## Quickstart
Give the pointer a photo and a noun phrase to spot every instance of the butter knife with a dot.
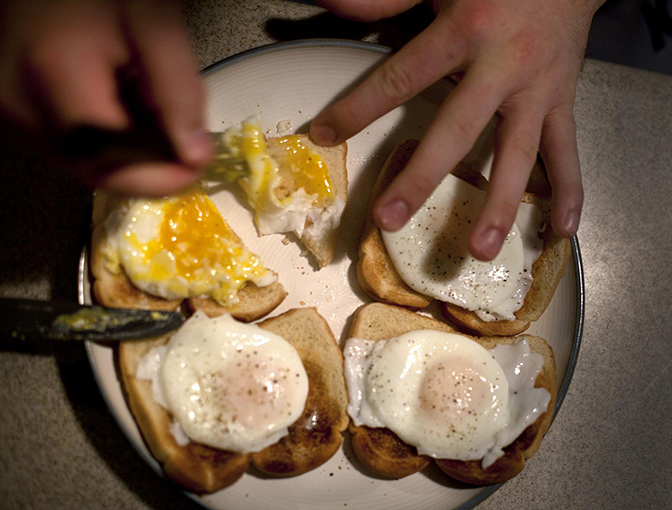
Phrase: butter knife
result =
(25, 319)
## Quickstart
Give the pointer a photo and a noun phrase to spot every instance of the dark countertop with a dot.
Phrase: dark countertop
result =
(608, 447)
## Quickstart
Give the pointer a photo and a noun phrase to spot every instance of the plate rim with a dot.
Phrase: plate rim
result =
(578, 271)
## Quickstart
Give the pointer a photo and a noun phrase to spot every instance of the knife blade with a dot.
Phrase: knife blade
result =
(25, 319)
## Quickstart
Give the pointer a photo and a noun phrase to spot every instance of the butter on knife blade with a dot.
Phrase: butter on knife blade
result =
(24, 319)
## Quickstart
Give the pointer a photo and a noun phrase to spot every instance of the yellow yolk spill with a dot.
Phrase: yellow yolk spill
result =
(204, 249)
(263, 174)
(308, 169)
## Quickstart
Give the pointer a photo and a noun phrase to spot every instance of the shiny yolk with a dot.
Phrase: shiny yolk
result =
(197, 238)
(309, 170)
(252, 146)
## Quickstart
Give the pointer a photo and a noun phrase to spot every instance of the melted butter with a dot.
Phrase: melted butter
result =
(87, 319)
(308, 169)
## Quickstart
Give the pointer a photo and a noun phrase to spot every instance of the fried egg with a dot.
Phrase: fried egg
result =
(180, 247)
(431, 253)
(444, 393)
(292, 192)
(229, 385)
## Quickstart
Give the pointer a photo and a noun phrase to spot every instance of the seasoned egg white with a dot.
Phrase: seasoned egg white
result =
(179, 247)
(229, 385)
(431, 253)
(444, 393)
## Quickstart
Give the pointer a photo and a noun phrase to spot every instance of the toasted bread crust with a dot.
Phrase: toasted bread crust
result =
(253, 302)
(321, 247)
(312, 440)
(375, 270)
(316, 435)
(117, 290)
(381, 451)
(379, 278)
(384, 453)
(196, 467)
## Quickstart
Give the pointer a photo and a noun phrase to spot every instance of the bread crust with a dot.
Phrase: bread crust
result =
(322, 247)
(316, 435)
(312, 440)
(196, 467)
(381, 450)
(380, 280)
(116, 290)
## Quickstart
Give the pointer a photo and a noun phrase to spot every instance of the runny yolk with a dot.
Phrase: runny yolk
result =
(196, 236)
(308, 169)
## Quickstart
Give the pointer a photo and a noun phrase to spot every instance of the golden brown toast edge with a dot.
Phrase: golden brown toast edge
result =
(316, 436)
(196, 467)
(381, 451)
(312, 440)
(375, 271)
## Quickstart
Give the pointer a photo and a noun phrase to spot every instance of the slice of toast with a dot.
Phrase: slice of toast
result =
(379, 278)
(316, 436)
(116, 290)
(321, 246)
(312, 440)
(382, 451)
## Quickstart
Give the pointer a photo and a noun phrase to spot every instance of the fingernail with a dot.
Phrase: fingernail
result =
(323, 135)
(196, 148)
(393, 216)
(490, 242)
(571, 223)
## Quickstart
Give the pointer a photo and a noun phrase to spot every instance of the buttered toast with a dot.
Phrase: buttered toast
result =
(379, 278)
(384, 453)
(312, 439)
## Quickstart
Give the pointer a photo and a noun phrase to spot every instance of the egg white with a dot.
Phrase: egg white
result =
(431, 253)
(229, 385)
(138, 223)
(444, 393)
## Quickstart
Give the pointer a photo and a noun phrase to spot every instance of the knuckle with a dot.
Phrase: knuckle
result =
(503, 220)
(464, 130)
(418, 186)
(525, 150)
(480, 17)
(396, 83)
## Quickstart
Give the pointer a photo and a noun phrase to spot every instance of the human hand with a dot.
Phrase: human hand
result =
(62, 67)
(518, 58)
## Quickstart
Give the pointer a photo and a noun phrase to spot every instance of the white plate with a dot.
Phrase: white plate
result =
(294, 81)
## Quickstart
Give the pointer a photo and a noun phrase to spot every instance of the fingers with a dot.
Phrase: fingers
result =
(451, 135)
(560, 154)
(367, 10)
(516, 143)
(424, 60)
(171, 78)
(152, 180)
(73, 82)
